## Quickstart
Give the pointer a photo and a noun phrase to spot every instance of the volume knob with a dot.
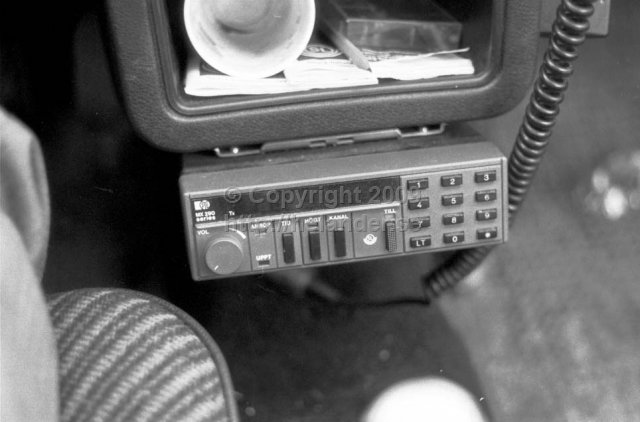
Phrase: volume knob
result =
(225, 254)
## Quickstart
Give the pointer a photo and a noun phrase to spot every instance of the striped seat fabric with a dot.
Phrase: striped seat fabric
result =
(128, 356)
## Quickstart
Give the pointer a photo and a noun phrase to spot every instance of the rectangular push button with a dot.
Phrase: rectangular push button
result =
(418, 204)
(420, 242)
(485, 176)
(288, 248)
(486, 215)
(486, 195)
(452, 200)
(315, 250)
(453, 238)
(451, 180)
(417, 184)
(419, 223)
(487, 234)
(339, 236)
(262, 245)
(340, 243)
(288, 243)
(451, 219)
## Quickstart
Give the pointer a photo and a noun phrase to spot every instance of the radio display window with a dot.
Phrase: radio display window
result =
(236, 203)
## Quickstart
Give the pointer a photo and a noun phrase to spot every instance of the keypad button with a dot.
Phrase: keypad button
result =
(420, 242)
(486, 215)
(453, 238)
(451, 219)
(451, 180)
(486, 196)
(487, 234)
(485, 176)
(419, 204)
(419, 223)
(417, 184)
(452, 200)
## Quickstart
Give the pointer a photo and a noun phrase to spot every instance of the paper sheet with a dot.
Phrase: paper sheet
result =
(409, 66)
(323, 66)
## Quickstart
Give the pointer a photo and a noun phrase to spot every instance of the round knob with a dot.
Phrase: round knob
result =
(225, 254)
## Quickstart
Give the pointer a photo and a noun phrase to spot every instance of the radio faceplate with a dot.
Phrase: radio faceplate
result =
(336, 210)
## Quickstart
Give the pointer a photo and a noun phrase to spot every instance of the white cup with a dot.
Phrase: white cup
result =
(249, 38)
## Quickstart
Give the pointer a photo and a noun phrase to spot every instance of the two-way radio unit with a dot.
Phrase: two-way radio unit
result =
(333, 210)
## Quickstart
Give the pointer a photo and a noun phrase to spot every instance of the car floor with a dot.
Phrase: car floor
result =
(546, 330)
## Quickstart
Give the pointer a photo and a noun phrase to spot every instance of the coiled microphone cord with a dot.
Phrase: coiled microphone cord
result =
(568, 32)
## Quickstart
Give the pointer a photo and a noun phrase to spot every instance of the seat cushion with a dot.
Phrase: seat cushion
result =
(128, 356)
